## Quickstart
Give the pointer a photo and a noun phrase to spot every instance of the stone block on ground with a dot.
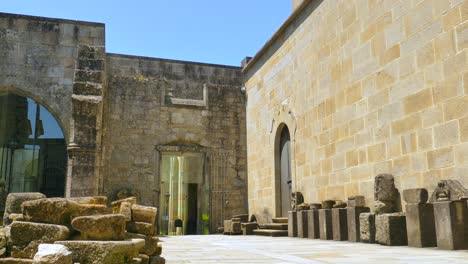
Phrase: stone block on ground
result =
(340, 224)
(116, 204)
(420, 225)
(25, 237)
(145, 214)
(52, 254)
(15, 217)
(391, 229)
(292, 223)
(315, 206)
(227, 227)
(15, 261)
(313, 224)
(415, 196)
(302, 224)
(325, 223)
(50, 211)
(248, 228)
(141, 228)
(92, 209)
(157, 260)
(14, 201)
(367, 227)
(451, 223)
(126, 210)
(151, 243)
(103, 252)
(99, 200)
(356, 201)
(100, 227)
(144, 258)
(243, 217)
(354, 230)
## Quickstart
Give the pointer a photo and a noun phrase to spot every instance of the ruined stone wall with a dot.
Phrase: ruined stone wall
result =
(372, 87)
(140, 118)
(59, 63)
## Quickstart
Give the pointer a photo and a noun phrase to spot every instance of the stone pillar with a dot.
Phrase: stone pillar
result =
(340, 224)
(292, 223)
(325, 222)
(83, 175)
(391, 229)
(420, 223)
(313, 223)
(451, 223)
(354, 231)
(367, 226)
(302, 225)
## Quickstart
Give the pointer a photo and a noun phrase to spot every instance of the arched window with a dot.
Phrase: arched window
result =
(33, 153)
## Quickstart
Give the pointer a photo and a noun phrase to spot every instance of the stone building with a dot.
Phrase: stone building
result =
(348, 89)
(170, 132)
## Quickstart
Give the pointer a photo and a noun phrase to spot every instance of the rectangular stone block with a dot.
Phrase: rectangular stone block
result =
(325, 223)
(415, 196)
(451, 220)
(292, 223)
(302, 226)
(313, 224)
(420, 225)
(356, 201)
(354, 231)
(367, 226)
(391, 229)
(340, 224)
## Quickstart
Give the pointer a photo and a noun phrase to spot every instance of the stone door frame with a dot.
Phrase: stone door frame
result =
(283, 116)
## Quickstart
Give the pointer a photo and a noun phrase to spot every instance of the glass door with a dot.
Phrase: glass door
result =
(184, 208)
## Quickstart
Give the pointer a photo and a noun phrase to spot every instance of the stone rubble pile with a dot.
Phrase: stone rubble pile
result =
(80, 230)
(442, 222)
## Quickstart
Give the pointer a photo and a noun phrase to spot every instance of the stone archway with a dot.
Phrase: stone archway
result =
(283, 138)
(33, 148)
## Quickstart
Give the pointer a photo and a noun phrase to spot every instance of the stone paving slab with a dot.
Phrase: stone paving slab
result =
(286, 250)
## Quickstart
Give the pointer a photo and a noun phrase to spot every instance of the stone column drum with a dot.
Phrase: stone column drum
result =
(292, 223)
(355, 208)
(325, 222)
(340, 224)
(313, 224)
(367, 226)
(420, 223)
(451, 223)
(302, 225)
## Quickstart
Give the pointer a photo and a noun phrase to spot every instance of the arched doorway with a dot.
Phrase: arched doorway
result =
(33, 153)
(283, 165)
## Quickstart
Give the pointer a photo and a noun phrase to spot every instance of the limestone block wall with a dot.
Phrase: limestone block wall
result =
(139, 120)
(372, 87)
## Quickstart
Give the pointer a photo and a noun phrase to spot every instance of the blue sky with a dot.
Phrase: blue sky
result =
(212, 31)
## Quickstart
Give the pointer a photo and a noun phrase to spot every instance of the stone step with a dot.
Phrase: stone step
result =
(280, 220)
(271, 232)
(275, 226)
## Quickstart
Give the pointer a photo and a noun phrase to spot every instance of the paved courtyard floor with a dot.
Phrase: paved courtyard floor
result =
(284, 250)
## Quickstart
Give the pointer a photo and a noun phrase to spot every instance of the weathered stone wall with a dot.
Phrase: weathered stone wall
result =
(52, 61)
(372, 87)
(139, 118)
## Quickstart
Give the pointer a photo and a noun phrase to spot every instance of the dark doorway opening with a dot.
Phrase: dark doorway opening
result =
(285, 171)
(192, 214)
